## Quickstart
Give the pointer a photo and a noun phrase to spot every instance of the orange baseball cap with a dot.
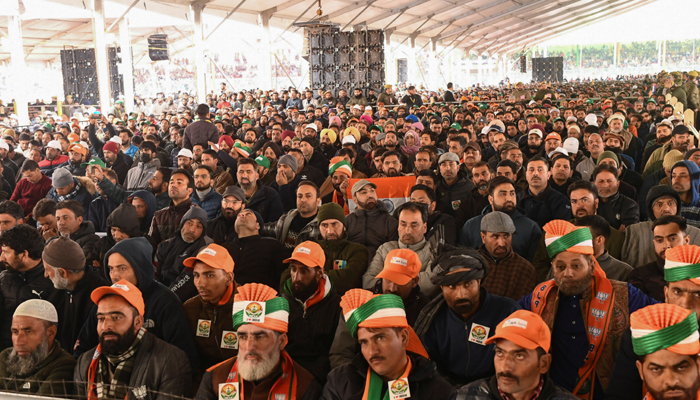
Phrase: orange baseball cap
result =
(72, 137)
(123, 288)
(400, 266)
(79, 148)
(308, 253)
(214, 256)
(524, 328)
(553, 136)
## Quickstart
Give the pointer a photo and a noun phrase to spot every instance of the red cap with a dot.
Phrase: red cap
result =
(111, 146)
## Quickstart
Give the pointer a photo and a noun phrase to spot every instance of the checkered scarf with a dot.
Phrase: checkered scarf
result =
(72, 193)
(123, 364)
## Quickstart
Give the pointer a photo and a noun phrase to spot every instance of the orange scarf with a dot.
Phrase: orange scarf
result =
(598, 315)
(374, 383)
(344, 203)
(284, 387)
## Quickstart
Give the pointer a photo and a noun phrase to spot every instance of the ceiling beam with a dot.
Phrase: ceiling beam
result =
(534, 38)
(349, 8)
(289, 3)
(391, 12)
(73, 29)
(462, 16)
(414, 20)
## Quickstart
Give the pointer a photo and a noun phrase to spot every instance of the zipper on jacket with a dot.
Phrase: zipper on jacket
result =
(469, 350)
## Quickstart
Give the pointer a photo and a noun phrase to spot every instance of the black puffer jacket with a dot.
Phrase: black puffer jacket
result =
(449, 198)
(18, 287)
(86, 238)
(372, 228)
(163, 316)
(347, 382)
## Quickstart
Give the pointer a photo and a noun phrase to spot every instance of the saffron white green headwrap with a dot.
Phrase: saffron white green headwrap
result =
(258, 304)
(683, 263)
(363, 309)
(560, 236)
(665, 326)
(341, 165)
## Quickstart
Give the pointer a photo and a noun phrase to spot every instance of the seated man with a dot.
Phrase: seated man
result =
(313, 304)
(259, 259)
(600, 230)
(393, 358)
(345, 261)
(510, 275)
(130, 259)
(262, 369)
(582, 306)
(69, 219)
(36, 363)
(370, 224)
(668, 364)
(669, 231)
(683, 290)
(399, 277)
(172, 252)
(127, 356)
(222, 229)
(462, 304)
(209, 313)
(522, 361)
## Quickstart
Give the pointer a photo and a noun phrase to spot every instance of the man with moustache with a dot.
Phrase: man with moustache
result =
(619, 210)
(128, 360)
(370, 224)
(299, 224)
(222, 229)
(36, 363)
(668, 365)
(166, 222)
(680, 138)
(540, 202)
(391, 165)
(581, 305)
(683, 290)
(262, 369)
(478, 198)
(533, 145)
(462, 304)
(23, 278)
(393, 360)
(522, 360)
(510, 275)
(503, 197)
(261, 198)
(453, 185)
(313, 303)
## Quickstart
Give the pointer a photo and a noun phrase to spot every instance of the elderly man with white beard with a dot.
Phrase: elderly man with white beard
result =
(262, 369)
(36, 363)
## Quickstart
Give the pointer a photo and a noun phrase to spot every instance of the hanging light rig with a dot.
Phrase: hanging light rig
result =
(319, 12)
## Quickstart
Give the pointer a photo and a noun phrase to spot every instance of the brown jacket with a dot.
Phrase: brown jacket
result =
(211, 345)
(166, 222)
(222, 180)
(512, 276)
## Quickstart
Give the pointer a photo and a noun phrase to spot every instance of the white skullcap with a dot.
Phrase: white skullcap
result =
(591, 119)
(116, 140)
(37, 308)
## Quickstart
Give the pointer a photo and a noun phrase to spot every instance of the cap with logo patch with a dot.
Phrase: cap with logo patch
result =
(214, 256)
(525, 329)
(400, 266)
(124, 289)
(308, 253)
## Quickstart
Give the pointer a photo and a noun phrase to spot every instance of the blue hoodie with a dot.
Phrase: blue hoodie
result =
(164, 316)
(151, 207)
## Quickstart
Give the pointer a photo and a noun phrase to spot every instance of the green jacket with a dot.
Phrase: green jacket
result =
(53, 377)
(679, 93)
(346, 262)
(693, 94)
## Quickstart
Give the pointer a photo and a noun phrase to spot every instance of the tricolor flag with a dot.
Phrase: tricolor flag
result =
(391, 191)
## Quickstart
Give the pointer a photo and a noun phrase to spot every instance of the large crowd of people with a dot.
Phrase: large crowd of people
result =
(531, 241)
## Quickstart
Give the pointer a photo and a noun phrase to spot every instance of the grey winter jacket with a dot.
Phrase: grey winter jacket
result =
(372, 228)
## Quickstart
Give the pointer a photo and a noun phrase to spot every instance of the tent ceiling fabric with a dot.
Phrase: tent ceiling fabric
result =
(483, 26)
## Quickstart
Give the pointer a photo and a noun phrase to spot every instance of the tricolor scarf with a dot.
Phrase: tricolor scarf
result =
(324, 288)
(374, 383)
(284, 388)
(100, 386)
(597, 313)
(339, 199)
